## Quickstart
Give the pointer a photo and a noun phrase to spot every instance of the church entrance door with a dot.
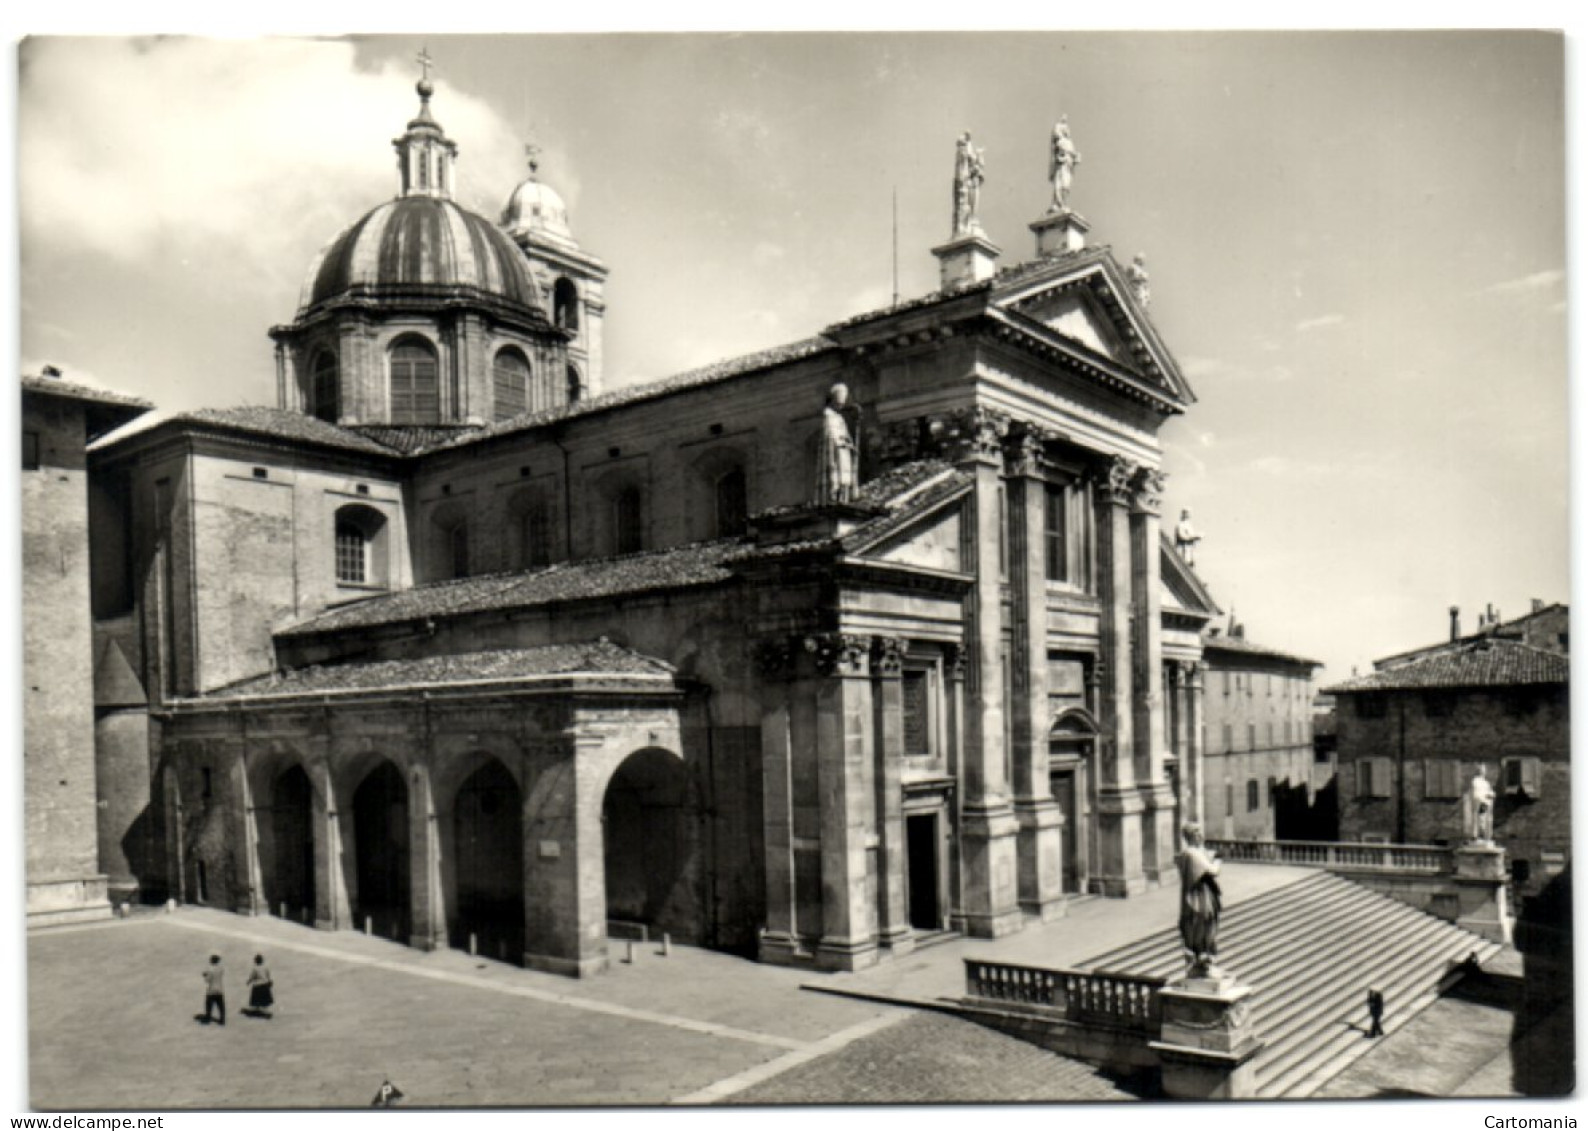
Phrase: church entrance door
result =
(291, 889)
(1067, 795)
(380, 841)
(922, 840)
(489, 838)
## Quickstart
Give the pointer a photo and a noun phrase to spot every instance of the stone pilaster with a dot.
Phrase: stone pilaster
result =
(887, 692)
(779, 941)
(1119, 802)
(1195, 764)
(843, 769)
(427, 928)
(1158, 800)
(987, 832)
(1040, 842)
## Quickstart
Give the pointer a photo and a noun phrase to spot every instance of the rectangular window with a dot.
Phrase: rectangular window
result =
(352, 564)
(1069, 536)
(1373, 777)
(1252, 798)
(30, 451)
(207, 789)
(1229, 738)
(1055, 534)
(917, 713)
(1520, 776)
(1441, 778)
(1229, 799)
(627, 515)
(1251, 736)
(1273, 787)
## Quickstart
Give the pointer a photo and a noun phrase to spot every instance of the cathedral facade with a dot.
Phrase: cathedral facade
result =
(456, 646)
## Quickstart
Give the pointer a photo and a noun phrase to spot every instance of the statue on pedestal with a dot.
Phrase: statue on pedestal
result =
(837, 466)
(1136, 275)
(969, 164)
(1479, 806)
(1186, 537)
(1201, 903)
(1062, 160)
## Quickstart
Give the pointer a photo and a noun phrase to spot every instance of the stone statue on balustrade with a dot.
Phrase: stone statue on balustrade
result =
(1062, 160)
(1478, 806)
(837, 459)
(1186, 538)
(1201, 903)
(969, 166)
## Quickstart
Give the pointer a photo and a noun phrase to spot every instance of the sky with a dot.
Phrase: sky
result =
(1356, 244)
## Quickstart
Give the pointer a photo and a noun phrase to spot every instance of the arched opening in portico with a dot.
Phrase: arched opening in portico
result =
(648, 837)
(380, 848)
(289, 869)
(488, 864)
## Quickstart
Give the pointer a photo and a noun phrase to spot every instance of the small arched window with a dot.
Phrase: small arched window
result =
(323, 386)
(415, 383)
(731, 512)
(574, 387)
(510, 383)
(529, 526)
(360, 546)
(565, 304)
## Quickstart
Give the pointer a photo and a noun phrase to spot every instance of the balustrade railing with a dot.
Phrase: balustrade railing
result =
(1094, 997)
(1421, 859)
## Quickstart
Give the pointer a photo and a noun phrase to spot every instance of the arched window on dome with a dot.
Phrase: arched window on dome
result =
(323, 386)
(575, 389)
(565, 304)
(510, 379)
(415, 382)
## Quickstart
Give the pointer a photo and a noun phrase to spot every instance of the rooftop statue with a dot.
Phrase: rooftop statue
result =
(1479, 806)
(1201, 903)
(1136, 275)
(836, 462)
(1062, 160)
(969, 164)
(1186, 538)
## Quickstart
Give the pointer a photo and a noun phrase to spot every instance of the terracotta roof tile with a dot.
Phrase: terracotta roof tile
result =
(58, 387)
(1239, 644)
(597, 657)
(1485, 663)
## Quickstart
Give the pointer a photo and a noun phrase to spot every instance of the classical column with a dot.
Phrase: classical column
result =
(779, 941)
(843, 771)
(1158, 800)
(1040, 842)
(987, 832)
(1195, 764)
(1119, 802)
(887, 692)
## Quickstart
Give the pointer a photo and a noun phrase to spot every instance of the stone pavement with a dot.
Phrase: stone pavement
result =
(1089, 928)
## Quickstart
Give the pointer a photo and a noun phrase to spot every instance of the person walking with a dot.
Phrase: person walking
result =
(215, 989)
(1375, 1011)
(260, 997)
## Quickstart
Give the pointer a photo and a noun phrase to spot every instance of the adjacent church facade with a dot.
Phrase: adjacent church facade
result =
(457, 647)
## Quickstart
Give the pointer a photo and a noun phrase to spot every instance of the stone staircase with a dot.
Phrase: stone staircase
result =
(1310, 950)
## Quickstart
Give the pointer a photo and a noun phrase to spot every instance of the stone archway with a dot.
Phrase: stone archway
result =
(380, 849)
(289, 869)
(488, 863)
(648, 842)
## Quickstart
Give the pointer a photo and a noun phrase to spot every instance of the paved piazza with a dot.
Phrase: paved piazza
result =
(112, 1007)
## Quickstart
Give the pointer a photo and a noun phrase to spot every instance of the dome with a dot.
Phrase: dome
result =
(535, 208)
(417, 243)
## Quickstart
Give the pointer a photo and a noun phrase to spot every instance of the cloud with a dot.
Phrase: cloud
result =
(1318, 323)
(1537, 281)
(154, 150)
(1195, 367)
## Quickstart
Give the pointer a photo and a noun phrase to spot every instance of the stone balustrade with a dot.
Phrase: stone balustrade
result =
(1088, 997)
(1419, 859)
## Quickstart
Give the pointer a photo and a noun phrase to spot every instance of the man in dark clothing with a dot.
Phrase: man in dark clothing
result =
(1375, 1010)
(215, 988)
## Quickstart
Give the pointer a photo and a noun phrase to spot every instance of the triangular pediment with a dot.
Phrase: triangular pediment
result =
(932, 542)
(1181, 589)
(1077, 316)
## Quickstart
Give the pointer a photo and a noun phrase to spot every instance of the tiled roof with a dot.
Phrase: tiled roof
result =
(410, 438)
(700, 563)
(1485, 663)
(596, 657)
(706, 375)
(1223, 643)
(55, 386)
(908, 492)
(274, 423)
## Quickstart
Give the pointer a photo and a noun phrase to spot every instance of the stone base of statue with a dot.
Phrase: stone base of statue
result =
(1059, 232)
(1206, 1043)
(967, 259)
(1481, 874)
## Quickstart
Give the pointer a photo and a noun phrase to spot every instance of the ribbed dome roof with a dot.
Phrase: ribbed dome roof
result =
(420, 242)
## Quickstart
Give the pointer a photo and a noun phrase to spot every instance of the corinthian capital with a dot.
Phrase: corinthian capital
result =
(1119, 478)
(1150, 483)
(839, 653)
(971, 433)
(1026, 451)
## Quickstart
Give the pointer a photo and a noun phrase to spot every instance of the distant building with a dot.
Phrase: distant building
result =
(1259, 751)
(65, 880)
(1413, 735)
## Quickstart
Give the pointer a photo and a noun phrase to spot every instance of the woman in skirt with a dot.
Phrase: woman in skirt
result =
(260, 999)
